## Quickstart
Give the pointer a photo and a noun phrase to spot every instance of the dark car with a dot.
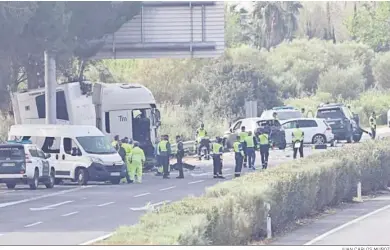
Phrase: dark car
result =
(274, 130)
(344, 124)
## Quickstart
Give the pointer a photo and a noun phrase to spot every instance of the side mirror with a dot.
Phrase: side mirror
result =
(47, 155)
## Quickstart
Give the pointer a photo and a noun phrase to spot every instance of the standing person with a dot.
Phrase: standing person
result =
(297, 137)
(373, 125)
(251, 145)
(127, 147)
(264, 148)
(238, 156)
(158, 158)
(303, 112)
(201, 133)
(137, 161)
(115, 142)
(243, 134)
(217, 158)
(179, 156)
(123, 155)
(164, 151)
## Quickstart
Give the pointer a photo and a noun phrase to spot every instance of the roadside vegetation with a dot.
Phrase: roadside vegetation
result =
(233, 212)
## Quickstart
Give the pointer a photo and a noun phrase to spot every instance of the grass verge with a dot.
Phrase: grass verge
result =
(233, 212)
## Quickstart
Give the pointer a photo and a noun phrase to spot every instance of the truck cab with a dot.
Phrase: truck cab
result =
(127, 110)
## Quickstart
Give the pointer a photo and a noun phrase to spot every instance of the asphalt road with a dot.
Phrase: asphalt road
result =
(71, 215)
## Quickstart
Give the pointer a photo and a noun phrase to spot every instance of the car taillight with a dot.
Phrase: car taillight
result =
(28, 159)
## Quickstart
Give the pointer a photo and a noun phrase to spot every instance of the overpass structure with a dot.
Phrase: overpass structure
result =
(165, 29)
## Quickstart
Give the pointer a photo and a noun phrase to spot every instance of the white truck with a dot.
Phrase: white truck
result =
(127, 110)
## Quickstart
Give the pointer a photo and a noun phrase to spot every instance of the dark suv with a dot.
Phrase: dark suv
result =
(344, 124)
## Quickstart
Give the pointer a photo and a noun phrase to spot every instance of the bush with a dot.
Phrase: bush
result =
(341, 83)
(380, 68)
(233, 212)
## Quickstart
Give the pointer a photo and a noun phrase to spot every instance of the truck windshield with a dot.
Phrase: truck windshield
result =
(11, 153)
(96, 144)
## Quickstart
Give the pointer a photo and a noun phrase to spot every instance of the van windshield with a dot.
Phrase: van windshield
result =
(96, 144)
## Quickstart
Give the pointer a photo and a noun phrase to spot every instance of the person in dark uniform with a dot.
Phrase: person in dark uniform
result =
(243, 134)
(373, 125)
(164, 151)
(250, 146)
(297, 137)
(179, 156)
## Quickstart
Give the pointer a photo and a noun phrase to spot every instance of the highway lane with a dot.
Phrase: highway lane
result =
(73, 215)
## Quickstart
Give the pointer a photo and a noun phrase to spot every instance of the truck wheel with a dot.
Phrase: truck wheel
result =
(115, 181)
(50, 183)
(35, 181)
(11, 185)
(82, 176)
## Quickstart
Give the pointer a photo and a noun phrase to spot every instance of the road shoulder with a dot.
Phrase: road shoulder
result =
(327, 222)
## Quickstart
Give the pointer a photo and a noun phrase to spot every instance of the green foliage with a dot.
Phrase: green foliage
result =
(345, 83)
(232, 212)
(380, 67)
(370, 26)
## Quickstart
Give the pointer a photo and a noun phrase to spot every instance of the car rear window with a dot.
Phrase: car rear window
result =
(268, 122)
(334, 113)
(11, 153)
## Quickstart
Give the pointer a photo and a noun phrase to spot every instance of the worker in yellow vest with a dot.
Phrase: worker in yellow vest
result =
(164, 151)
(297, 141)
(217, 158)
(115, 142)
(137, 161)
(127, 147)
(243, 134)
(373, 125)
(238, 156)
(201, 134)
(250, 146)
(264, 145)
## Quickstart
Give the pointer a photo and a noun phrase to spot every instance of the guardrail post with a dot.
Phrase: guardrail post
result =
(269, 221)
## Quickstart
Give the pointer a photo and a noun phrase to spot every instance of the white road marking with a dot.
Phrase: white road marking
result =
(51, 206)
(354, 221)
(139, 195)
(8, 191)
(163, 189)
(194, 182)
(150, 206)
(7, 204)
(68, 214)
(34, 224)
(202, 174)
(105, 204)
(90, 242)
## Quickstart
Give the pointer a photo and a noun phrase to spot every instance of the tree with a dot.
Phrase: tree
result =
(370, 25)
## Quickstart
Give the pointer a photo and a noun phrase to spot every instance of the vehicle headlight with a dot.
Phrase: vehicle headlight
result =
(96, 159)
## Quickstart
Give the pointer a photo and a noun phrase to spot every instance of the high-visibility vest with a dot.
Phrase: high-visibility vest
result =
(162, 146)
(216, 148)
(297, 135)
(137, 155)
(243, 135)
(263, 138)
(128, 147)
(249, 141)
(201, 133)
(372, 122)
(237, 146)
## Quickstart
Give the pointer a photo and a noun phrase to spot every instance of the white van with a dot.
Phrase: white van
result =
(79, 153)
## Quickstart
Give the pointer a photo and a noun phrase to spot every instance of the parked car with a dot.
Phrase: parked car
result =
(26, 164)
(316, 131)
(283, 113)
(254, 124)
(275, 132)
(344, 124)
(230, 135)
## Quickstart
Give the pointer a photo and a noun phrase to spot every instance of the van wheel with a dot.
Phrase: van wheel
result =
(51, 181)
(82, 176)
(11, 185)
(35, 181)
(115, 181)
